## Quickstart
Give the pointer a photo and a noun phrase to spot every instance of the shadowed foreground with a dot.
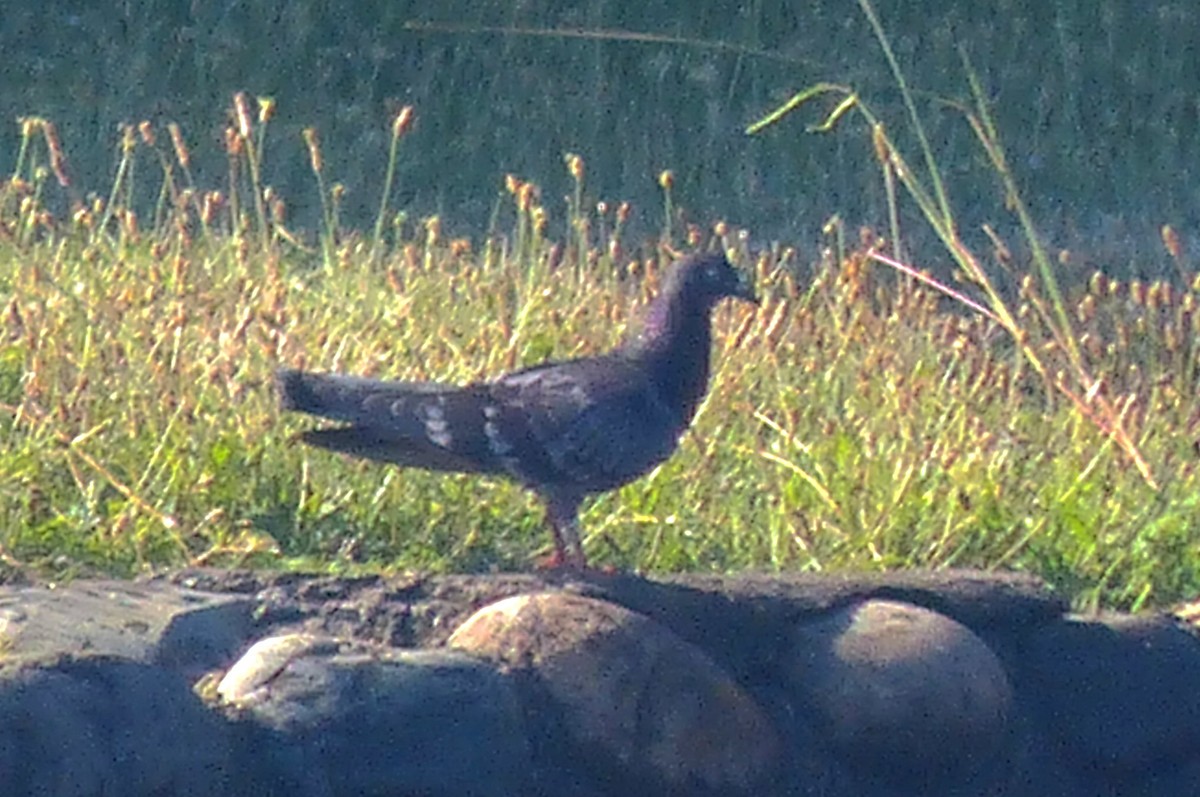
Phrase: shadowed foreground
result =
(950, 683)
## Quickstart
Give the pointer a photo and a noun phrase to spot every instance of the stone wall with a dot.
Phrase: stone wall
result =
(952, 683)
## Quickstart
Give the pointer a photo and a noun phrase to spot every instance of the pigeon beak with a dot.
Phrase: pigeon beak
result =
(744, 289)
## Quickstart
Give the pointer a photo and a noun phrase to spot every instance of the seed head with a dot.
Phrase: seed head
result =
(233, 142)
(402, 122)
(181, 151)
(575, 167)
(314, 148)
(241, 107)
(1170, 240)
(58, 159)
(266, 109)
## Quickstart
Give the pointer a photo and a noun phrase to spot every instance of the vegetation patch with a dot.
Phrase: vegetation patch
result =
(861, 417)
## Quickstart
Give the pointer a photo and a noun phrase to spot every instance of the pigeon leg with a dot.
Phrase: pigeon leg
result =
(563, 516)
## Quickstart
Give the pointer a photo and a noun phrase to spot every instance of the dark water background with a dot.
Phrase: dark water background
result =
(1097, 101)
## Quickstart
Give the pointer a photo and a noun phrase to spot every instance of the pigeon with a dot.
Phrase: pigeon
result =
(565, 430)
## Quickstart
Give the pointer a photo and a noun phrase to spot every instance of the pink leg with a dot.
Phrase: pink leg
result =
(563, 516)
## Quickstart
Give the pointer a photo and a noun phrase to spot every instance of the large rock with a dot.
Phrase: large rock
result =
(732, 618)
(149, 622)
(633, 705)
(343, 719)
(903, 692)
(701, 684)
(1121, 693)
(98, 725)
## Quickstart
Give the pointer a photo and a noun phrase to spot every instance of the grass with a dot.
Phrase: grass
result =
(513, 88)
(858, 419)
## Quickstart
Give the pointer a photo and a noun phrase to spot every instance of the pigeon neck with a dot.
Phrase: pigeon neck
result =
(675, 339)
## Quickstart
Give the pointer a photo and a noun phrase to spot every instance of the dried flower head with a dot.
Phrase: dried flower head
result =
(181, 151)
(241, 108)
(402, 122)
(313, 142)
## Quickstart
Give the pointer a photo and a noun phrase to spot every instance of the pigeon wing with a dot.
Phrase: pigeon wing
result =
(581, 427)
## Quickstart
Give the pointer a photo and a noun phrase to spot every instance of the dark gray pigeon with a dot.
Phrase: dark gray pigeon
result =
(565, 430)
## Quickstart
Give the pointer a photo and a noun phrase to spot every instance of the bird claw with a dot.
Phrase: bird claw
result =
(560, 559)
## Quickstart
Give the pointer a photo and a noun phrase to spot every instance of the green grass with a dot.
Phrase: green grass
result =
(857, 419)
(651, 86)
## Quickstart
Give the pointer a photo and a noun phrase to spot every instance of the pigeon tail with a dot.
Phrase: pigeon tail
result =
(413, 424)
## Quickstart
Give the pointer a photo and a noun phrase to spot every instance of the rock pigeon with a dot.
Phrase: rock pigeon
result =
(565, 430)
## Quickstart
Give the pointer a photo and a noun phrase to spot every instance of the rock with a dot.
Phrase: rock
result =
(735, 618)
(159, 623)
(105, 726)
(732, 618)
(700, 684)
(630, 703)
(249, 680)
(902, 692)
(974, 598)
(342, 719)
(1118, 692)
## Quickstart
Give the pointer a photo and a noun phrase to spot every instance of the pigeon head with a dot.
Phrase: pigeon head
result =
(702, 280)
(691, 288)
